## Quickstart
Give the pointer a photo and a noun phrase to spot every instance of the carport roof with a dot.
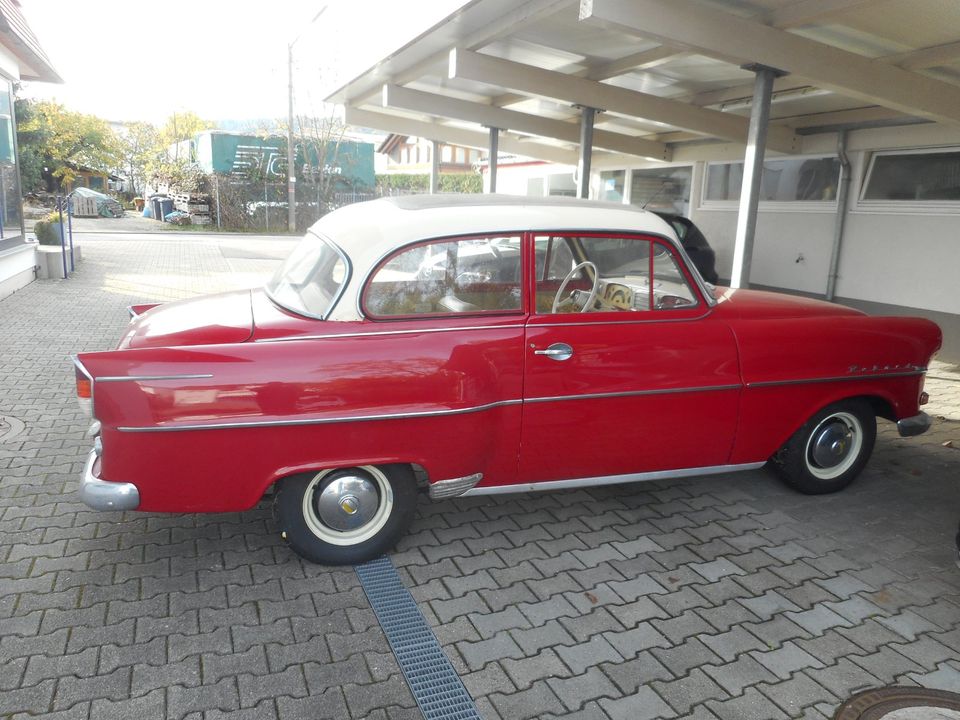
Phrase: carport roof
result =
(665, 72)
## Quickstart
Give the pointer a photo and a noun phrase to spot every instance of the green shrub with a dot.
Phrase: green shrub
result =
(48, 233)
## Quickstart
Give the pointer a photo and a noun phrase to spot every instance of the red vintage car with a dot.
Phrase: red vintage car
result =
(463, 345)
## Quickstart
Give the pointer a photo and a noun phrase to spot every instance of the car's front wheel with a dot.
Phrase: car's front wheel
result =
(346, 515)
(830, 450)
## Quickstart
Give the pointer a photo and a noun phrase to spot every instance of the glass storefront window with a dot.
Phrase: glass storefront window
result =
(662, 189)
(11, 211)
(783, 180)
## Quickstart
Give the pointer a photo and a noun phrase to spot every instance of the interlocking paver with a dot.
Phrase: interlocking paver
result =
(735, 676)
(750, 706)
(795, 695)
(575, 691)
(681, 658)
(784, 661)
(645, 704)
(593, 652)
(693, 689)
(590, 602)
(945, 677)
(526, 671)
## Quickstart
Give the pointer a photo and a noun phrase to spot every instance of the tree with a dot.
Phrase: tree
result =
(180, 127)
(141, 150)
(324, 168)
(64, 142)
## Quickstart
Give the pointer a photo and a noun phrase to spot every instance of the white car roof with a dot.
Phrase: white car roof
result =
(369, 231)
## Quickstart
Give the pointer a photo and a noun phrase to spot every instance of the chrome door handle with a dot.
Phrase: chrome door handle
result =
(557, 351)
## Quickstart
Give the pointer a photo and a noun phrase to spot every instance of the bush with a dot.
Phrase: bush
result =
(48, 233)
(449, 183)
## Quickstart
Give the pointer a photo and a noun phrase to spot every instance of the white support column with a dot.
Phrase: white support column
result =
(752, 171)
(587, 115)
(492, 161)
(434, 167)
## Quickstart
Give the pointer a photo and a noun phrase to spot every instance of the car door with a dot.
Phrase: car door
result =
(626, 370)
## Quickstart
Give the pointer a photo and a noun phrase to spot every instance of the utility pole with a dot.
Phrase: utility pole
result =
(291, 154)
(291, 162)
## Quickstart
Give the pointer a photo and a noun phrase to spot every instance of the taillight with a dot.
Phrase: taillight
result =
(84, 390)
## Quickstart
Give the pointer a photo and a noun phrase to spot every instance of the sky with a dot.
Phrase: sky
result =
(222, 60)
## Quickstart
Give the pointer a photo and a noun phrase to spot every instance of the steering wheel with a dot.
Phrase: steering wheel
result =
(566, 281)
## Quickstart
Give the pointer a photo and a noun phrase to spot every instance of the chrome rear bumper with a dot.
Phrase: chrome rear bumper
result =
(916, 425)
(105, 495)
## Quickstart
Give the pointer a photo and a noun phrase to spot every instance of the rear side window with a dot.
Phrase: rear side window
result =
(448, 277)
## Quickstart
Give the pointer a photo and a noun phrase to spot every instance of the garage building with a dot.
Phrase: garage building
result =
(815, 142)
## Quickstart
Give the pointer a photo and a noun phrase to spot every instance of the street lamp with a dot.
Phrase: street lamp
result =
(291, 167)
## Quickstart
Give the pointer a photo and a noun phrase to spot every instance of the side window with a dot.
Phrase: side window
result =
(608, 274)
(469, 275)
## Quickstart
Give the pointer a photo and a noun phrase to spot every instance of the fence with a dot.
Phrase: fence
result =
(238, 204)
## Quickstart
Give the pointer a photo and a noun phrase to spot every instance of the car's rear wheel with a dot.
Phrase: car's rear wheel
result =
(347, 515)
(830, 450)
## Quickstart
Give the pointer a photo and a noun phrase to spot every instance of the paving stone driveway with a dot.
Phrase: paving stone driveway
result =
(727, 597)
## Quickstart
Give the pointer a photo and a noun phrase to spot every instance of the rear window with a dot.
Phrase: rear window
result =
(311, 279)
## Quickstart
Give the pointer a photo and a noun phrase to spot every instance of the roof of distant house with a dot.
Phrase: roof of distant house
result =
(16, 35)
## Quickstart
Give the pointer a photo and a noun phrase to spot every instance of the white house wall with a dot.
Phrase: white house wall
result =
(791, 251)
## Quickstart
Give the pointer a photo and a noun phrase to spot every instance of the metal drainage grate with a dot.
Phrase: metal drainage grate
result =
(434, 683)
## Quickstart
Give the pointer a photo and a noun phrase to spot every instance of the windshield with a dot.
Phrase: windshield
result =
(311, 279)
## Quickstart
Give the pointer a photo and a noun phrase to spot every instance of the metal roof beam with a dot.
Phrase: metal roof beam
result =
(643, 60)
(810, 11)
(925, 57)
(456, 136)
(590, 93)
(738, 40)
(489, 116)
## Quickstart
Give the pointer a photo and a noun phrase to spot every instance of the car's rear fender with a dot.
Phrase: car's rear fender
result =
(208, 428)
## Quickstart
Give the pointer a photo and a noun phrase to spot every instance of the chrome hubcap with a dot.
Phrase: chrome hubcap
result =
(834, 445)
(347, 502)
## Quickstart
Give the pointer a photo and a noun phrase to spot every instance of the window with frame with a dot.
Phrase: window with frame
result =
(783, 180)
(662, 189)
(442, 277)
(611, 185)
(11, 213)
(608, 274)
(914, 176)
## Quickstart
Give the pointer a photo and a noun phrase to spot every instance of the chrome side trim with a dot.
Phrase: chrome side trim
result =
(916, 425)
(138, 378)
(631, 393)
(321, 421)
(647, 317)
(453, 487)
(105, 495)
(131, 312)
(414, 415)
(415, 331)
(839, 378)
(610, 479)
